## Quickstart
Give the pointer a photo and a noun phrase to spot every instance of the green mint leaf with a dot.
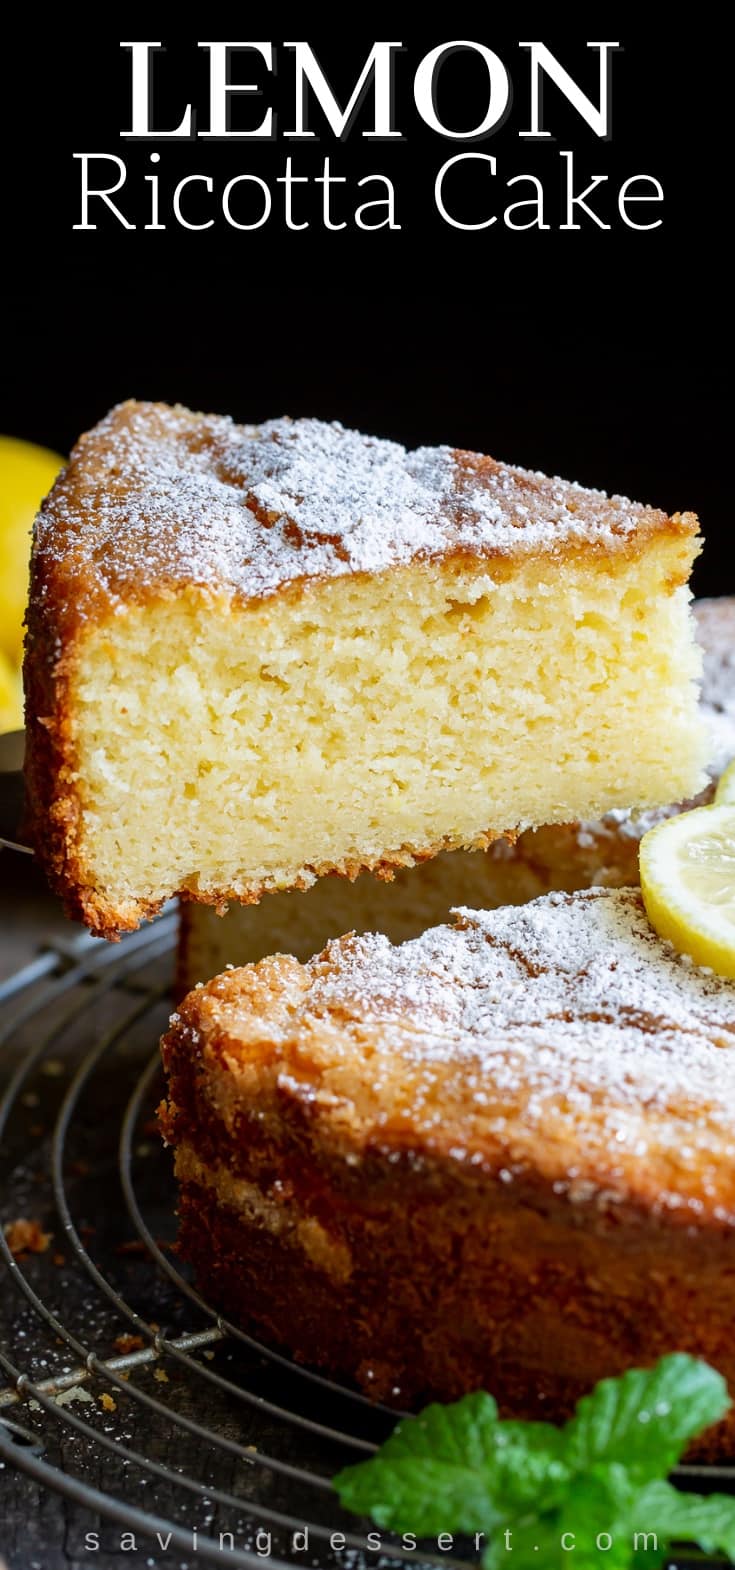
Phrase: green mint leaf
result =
(576, 1533)
(592, 1488)
(431, 1471)
(596, 1517)
(649, 1558)
(708, 1520)
(530, 1467)
(531, 1544)
(455, 1468)
(646, 1418)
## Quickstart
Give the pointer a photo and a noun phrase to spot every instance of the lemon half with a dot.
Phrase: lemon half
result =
(27, 472)
(687, 868)
(11, 696)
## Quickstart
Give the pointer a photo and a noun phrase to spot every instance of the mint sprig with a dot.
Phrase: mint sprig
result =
(459, 1462)
(647, 1417)
(459, 1468)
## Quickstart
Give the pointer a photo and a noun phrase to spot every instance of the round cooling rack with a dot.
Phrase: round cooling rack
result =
(136, 1424)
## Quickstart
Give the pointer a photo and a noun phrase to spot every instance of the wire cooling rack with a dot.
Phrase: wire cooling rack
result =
(121, 1390)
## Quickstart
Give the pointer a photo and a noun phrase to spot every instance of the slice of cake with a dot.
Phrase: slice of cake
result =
(562, 856)
(259, 654)
(500, 1155)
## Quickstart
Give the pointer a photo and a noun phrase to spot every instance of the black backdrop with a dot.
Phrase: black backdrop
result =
(602, 356)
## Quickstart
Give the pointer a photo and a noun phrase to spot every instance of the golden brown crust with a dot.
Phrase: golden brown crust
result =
(531, 1210)
(446, 1297)
(102, 538)
(52, 824)
(368, 1071)
(108, 536)
(51, 800)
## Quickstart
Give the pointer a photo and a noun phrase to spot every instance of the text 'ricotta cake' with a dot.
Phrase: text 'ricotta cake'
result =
(501, 1155)
(259, 654)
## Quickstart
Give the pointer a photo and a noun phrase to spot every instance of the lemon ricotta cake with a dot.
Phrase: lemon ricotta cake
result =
(560, 857)
(258, 654)
(501, 1154)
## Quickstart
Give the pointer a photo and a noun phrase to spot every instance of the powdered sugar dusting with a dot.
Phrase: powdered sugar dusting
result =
(156, 495)
(586, 961)
(567, 1013)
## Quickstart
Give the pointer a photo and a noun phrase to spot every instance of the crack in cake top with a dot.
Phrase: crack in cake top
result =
(562, 1036)
(155, 497)
(583, 971)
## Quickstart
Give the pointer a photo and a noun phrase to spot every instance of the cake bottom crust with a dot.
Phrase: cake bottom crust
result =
(425, 1302)
(109, 919)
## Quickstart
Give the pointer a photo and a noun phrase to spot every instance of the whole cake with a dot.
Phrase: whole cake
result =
(256, 655)
(502, 1154)
(561, 856)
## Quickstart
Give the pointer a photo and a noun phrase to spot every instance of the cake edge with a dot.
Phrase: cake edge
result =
(57, 622)
(80, 593)
(249, 1274)
(53, 822)
(390, 1250)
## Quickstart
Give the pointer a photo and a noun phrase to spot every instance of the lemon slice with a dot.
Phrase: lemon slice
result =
(725, 792)
(688, 884)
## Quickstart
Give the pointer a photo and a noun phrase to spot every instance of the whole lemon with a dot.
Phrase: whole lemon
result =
(11, 696)
(27, 472)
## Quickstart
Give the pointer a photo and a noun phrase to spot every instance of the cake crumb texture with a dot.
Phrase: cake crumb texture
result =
(258, 655)
(560, 857)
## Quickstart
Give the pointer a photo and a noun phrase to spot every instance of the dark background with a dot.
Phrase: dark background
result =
(605, 357)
